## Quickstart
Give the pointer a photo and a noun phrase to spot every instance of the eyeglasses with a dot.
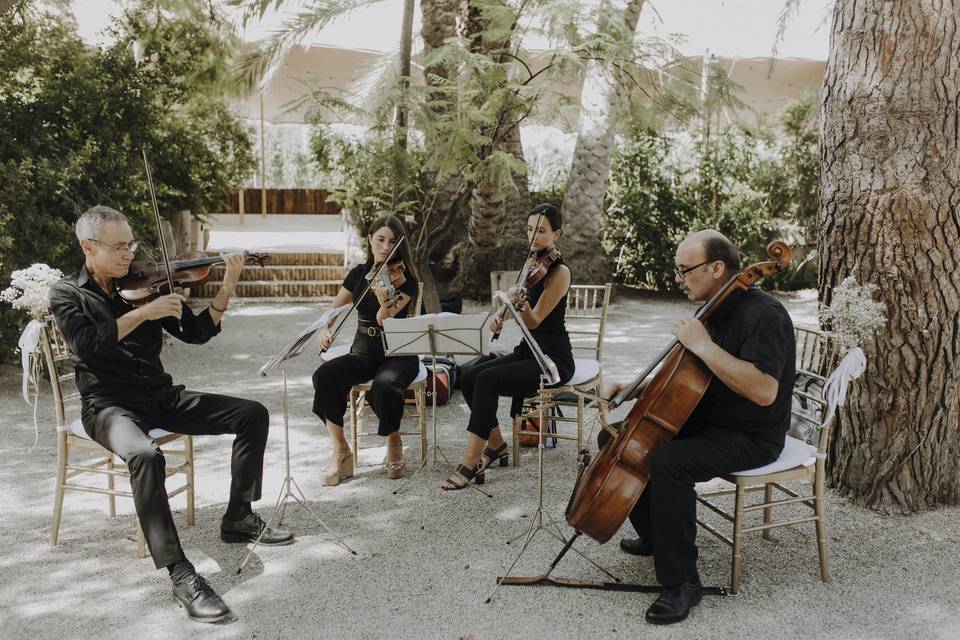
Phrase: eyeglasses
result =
(682, 273)
(120, 247)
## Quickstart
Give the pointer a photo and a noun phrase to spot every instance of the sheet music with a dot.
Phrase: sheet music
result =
(299, 343)
(452, 333)
(546, 364)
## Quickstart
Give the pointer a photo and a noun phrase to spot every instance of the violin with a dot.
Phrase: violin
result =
(392, 263)
(146, 281)
(389, 280)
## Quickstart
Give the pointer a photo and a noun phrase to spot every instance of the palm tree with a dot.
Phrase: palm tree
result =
(601, 95)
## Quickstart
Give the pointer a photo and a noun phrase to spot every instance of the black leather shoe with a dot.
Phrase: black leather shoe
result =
(200, 601)
(248, 530)
(674, 603)
(636, 546)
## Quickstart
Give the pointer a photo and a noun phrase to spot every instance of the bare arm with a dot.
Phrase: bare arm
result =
(555, 287)
(325, 337)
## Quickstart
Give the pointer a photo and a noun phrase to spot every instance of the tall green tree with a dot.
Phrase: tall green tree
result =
(77, 118)
(889, 202)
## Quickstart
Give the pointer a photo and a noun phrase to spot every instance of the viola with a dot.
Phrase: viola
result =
(146, 281)
(534, 270)
(608, 487)
(537, 268)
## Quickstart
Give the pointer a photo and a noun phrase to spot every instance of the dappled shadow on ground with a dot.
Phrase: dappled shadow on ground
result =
(427, 560)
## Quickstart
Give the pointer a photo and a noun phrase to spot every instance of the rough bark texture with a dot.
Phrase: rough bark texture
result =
(496, 238)
(439, 22)
(600, 97)
(889, 215)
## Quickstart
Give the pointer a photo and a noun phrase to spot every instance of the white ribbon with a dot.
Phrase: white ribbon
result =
(28, 342)
(835, 390)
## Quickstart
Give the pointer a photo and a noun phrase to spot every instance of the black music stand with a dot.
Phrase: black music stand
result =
(292, 350)
(447, 333)
(548, 377)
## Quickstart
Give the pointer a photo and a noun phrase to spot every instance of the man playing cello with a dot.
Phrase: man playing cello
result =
(740, 423)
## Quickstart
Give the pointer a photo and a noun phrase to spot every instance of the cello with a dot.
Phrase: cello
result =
(609, 487)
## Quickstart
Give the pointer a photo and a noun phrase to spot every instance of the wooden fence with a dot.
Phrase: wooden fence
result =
(305, 201)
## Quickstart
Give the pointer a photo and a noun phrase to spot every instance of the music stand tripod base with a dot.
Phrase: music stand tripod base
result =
(287, 491)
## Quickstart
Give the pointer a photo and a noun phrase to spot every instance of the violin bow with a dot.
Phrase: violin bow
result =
(156, 214)
(522, 276)
(344, 316)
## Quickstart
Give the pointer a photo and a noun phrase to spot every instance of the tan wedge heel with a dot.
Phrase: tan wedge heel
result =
(397, 468)
(343, 470)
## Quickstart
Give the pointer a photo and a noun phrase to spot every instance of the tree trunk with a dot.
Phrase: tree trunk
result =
(496, 236)
(439, 22)
(889, 207)
(601, 95)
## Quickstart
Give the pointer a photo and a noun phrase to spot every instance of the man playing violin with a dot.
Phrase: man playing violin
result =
(126, 393)
(740, 423)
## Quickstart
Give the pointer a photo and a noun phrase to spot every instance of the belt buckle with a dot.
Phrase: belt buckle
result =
(372, 332)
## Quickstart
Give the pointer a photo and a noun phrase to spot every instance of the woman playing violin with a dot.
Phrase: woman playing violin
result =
(518, 373)
(366, 361)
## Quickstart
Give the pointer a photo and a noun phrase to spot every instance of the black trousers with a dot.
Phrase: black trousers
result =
(483, 385)
(391, 377)
(666, 512)
(122, 429)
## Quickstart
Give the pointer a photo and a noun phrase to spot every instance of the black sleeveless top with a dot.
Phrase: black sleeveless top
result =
(551, 334)
(355, 283)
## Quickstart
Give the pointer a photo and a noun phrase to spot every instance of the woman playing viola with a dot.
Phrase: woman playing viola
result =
(366, 361)
(518, 373)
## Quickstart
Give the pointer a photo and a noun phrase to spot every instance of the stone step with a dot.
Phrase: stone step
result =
(275, 289)
(307, 258)
(273, 272)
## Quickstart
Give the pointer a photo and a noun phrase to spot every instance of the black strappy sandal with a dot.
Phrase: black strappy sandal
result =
(499, 454)
(462, 477)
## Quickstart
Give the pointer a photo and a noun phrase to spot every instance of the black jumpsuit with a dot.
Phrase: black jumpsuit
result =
(391, 376)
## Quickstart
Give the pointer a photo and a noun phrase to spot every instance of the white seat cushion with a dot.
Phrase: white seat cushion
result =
(76, 428)
(584, 371)
(795, 453)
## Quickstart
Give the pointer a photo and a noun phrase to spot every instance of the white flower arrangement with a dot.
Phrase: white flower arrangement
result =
(853, 314)
(29, 289)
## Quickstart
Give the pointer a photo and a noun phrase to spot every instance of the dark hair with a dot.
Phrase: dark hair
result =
(550, 212)
(393, 223)
(720, 248)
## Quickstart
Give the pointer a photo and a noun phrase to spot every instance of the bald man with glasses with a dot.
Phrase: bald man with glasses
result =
(740, 423)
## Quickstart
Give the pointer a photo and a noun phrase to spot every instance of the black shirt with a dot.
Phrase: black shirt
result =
(126, 372)
(752, 325)
(355, 283)
(551, 334)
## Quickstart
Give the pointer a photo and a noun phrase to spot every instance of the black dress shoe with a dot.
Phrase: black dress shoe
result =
(248, 530)
(636, 546)
(200, 601)
(674, 603)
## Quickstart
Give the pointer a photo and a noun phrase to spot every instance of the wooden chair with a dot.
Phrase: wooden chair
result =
(799, 460)
(73, 474)
(415, 407)
(586, 321)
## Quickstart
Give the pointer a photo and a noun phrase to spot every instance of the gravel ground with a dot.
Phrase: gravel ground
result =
(427, 560)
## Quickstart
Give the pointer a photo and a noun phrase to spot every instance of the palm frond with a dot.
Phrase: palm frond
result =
(261, 65)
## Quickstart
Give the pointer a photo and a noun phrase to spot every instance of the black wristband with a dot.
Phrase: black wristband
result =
(216, 308)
